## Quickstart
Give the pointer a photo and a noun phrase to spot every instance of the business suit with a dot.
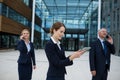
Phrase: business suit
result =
(99, 61)
(57, 61)
(25, 60)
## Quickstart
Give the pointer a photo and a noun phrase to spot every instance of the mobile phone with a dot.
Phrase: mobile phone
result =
(107, 36)
(86, 48)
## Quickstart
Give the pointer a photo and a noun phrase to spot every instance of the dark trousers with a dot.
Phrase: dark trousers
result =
(55, 78)
(25, 71)
(103, 76)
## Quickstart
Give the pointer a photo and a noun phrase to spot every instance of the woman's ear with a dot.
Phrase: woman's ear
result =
(54, 31)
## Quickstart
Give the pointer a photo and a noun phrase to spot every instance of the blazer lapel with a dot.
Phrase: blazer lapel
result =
(62, 49)
(25, 47)
(101, 47)
(31, 47)
(57, 48)
(61, 52)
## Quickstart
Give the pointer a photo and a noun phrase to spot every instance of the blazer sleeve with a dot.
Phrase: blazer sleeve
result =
(111, 47)
(20, 46)
(33, 55)
(92, 57)
(53, 58)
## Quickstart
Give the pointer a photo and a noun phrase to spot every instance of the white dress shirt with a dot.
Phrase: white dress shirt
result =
(101, 40)
(28, 46)
(58, 43)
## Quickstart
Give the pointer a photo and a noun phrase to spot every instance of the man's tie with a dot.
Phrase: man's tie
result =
(105, 47)
(105, 50)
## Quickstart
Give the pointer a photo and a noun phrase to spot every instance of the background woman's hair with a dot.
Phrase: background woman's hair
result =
(56, 26)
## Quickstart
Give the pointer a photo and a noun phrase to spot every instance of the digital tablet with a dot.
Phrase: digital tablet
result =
(86, 48)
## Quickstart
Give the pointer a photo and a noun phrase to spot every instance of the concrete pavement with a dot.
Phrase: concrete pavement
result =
(78, 71)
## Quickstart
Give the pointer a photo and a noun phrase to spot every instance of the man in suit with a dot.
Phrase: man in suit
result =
(100, 54)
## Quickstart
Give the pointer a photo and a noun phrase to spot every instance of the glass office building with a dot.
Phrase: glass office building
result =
(75, 14)
(79, 16)
(14, 16)
(111, 20)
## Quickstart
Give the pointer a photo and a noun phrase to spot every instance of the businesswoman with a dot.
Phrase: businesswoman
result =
(56, 55)
(26, 60)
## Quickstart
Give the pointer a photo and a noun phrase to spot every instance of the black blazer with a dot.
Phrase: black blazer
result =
(98, 58)
(57, 59)
(25, 56)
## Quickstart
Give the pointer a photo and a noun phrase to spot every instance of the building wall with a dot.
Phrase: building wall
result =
(19, 6)
(15, 15)
(10, 26)
(111, 20)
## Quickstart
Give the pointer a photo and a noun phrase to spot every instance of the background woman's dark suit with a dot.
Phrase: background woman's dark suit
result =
(57, 61)
(25, 60)
(98, 58)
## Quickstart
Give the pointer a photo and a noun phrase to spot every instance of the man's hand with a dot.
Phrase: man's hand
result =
(93, 73)
(110, 40)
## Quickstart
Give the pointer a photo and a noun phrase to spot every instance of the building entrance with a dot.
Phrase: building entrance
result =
(71, 44)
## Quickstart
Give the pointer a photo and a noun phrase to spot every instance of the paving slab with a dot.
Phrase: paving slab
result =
(78, 71)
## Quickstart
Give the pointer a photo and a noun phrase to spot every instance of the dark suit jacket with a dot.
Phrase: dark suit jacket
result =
(57, 59)
(98, 58)
(25, 56)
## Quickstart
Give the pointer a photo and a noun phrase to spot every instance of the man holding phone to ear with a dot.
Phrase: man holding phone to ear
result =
(100, 54)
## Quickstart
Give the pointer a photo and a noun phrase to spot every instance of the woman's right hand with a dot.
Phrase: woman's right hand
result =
(77, 54)
(21, 37)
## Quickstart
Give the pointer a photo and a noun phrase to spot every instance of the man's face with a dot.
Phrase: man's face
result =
(102, 33)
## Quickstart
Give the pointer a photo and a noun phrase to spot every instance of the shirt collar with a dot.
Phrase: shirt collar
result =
(101, 40)
(28, 43)
(55, 41)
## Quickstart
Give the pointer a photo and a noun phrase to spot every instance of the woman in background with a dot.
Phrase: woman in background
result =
(56, 55)
(26, 60)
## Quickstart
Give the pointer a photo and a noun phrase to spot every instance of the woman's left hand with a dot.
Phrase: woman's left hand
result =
(34, 66)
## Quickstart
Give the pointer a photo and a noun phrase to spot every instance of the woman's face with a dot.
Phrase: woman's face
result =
(25, 34)
(59, 33)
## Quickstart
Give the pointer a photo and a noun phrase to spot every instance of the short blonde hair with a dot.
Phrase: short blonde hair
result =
(101, 29)
(25, 30)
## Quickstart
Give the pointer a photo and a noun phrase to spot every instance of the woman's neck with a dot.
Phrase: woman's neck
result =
(55, 38)
(26, 41)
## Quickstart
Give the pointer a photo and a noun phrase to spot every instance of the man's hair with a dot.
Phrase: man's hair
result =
(101, 29)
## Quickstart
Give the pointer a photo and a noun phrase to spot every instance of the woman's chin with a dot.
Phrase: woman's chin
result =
(60, 38)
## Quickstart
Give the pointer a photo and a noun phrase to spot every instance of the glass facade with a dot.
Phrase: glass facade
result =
(9, 40)
(0, 8)
(79, 23)
(75, 14)
(111, 21)
(10, 13)
(26, 2)
(91, 22)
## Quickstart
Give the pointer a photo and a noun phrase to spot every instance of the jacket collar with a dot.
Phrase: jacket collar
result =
(55, 41)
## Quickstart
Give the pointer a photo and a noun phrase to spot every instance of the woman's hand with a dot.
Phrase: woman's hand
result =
(77, 54)
(21, 37)
(34, 66)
